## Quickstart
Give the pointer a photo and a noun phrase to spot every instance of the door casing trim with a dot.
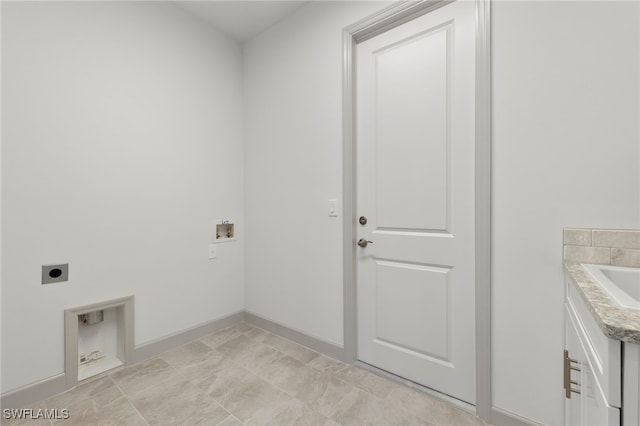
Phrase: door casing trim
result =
(369, 27)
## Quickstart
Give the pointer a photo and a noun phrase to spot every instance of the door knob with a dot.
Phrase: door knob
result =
(363, 243)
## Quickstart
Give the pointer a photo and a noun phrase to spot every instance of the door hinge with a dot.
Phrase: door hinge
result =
(568, 367)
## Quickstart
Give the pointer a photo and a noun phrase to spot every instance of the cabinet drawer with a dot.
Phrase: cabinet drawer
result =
(604, 354)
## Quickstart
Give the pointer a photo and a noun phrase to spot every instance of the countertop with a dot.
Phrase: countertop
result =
(615, 322)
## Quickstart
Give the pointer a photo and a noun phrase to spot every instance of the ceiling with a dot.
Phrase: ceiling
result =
(241, 19)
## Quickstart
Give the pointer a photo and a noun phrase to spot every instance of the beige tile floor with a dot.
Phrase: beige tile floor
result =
(246, 375)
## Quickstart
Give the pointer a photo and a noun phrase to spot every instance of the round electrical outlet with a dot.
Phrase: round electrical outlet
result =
(55, 273)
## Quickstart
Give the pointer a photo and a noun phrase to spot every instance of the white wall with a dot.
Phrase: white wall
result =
(124, 181)
(566, 152)
(121, 145)
(293, 165)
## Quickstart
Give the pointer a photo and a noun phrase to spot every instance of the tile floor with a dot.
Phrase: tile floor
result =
(246, 375)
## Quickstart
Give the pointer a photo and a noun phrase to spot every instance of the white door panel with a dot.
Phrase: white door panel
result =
(413, 286)
(411, 110)
(415, 184)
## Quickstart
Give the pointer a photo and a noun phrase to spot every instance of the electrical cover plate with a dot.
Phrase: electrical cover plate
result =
(55, 273)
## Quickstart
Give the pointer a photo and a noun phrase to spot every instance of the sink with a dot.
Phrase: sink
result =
(622, 284)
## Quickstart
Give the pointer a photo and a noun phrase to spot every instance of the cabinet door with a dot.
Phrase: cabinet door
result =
(573, 404)
(589, 407)
(631, 402)
(595, 409)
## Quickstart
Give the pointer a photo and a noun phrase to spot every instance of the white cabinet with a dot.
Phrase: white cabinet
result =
(574, 362)
(631, 385)
(593, 368)
(586, 403)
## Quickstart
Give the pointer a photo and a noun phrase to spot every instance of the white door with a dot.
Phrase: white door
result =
(415, 94)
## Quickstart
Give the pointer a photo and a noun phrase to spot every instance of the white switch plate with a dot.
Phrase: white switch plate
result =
(213, 251)
(333, 208)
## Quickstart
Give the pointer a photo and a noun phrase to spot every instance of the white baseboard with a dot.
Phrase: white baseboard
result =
(501, 417)
(318, 345)
(150, 349)
(46, 388)
(33, 392)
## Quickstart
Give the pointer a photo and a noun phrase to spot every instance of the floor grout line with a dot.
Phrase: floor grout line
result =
(213, 400)
(343, 382)
(129, 401)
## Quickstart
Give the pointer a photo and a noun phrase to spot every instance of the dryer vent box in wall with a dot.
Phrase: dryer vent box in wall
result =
(91, 318)
(225, 231)
(98, 338)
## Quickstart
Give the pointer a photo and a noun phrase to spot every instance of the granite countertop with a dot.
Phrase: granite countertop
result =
(615, 322)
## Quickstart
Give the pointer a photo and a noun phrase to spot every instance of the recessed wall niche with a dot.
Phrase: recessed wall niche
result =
(98, 338)
(225, 231)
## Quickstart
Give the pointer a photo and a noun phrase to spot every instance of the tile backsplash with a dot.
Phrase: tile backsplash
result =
(618, 247)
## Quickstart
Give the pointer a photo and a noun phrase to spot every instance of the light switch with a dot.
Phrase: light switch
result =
(333, 208)
(213, 251)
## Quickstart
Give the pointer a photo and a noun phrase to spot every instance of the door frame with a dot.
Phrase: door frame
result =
(369, 27)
